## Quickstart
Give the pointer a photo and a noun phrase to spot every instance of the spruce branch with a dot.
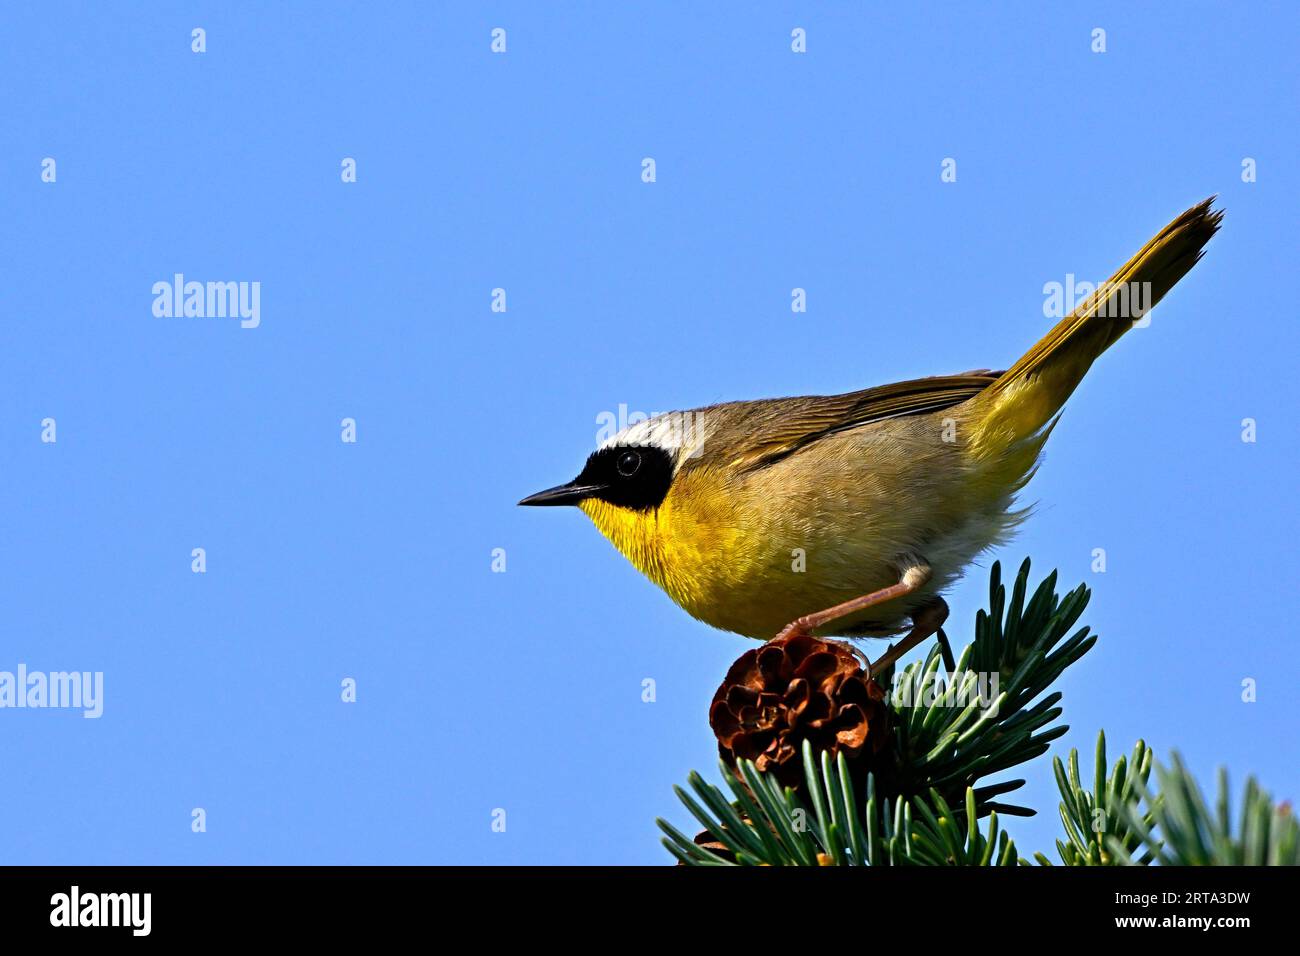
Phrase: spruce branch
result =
(1184, 831)
(892, 778)
(984, 716)
(768, 825)
(1095, 819)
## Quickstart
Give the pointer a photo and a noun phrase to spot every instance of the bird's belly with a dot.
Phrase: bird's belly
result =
(766, 583)
(762, 610)
(760, 594)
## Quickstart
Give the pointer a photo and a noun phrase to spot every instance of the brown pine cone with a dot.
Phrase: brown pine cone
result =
(795, 689)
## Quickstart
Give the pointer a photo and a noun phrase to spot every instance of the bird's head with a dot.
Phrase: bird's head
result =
(635, 468)
(630, 483)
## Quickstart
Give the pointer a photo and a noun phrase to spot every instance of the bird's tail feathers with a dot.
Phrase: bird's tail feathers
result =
(1011, 414)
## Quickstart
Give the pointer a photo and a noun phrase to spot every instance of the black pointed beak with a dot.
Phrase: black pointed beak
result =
(569, 494)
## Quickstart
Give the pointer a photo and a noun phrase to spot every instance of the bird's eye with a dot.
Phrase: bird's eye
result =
(628, 463)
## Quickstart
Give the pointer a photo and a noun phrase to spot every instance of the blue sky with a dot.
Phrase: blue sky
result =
(373, 561)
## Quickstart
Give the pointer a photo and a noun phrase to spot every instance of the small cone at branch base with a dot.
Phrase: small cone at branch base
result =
(794, 689)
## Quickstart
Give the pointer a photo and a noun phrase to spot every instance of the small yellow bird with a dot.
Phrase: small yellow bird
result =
(852, 513)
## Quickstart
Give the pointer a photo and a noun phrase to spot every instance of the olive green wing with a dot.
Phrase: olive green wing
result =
(771, 430)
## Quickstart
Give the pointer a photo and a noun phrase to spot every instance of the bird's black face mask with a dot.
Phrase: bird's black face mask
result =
(629, 476)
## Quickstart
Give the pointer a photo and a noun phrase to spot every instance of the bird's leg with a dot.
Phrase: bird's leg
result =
(912, 579)
(926, 621)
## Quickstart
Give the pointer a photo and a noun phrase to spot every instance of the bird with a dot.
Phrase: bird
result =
(849, 516)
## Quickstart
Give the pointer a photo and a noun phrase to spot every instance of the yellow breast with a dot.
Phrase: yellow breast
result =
(693, 545)
(749, 558)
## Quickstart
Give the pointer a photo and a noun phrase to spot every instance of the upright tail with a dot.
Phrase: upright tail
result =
(1009, 416)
